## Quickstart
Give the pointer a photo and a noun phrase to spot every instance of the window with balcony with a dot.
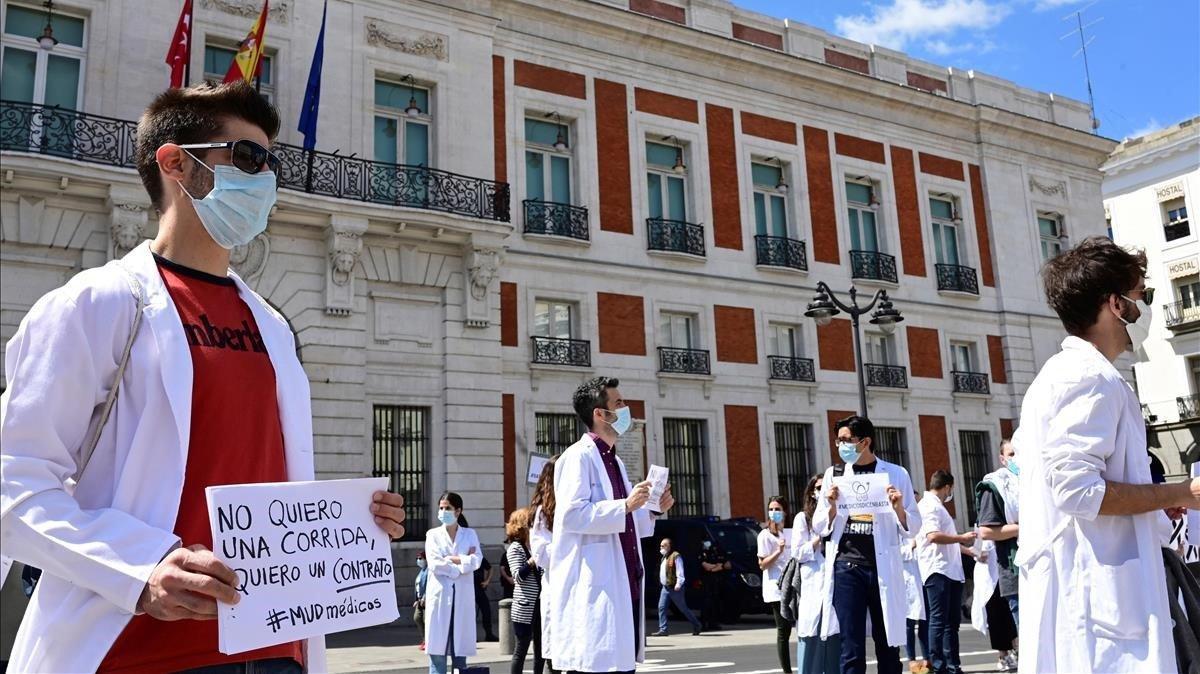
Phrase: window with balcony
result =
(882, 367)
(793, 460)
(785, 353)
(549, 205)
(217, 60)
(1051, 234)
(1175, 220)
(402, 129)
(31, 77)
(965, 370)
(555, 328)
(867, 257)
(776, 244)
(952, 274)
(680, 351)
(554, 433)
(685, 447)
(667, 201)
(1185, 311)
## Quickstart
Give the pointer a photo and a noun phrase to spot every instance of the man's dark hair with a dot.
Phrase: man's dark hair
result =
(860, 427)
(1078, 282)
(195, 115)
(940, 479)
(592, 394)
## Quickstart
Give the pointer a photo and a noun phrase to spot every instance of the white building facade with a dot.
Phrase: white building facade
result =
(528, 194)
(1151, 183)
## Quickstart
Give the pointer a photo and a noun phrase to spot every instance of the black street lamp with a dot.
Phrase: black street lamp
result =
(826, 305)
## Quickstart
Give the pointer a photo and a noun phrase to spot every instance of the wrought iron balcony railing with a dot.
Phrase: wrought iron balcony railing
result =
(957, 278)
(780, 251)
(552, 219)
(555, 351)
(683, 361)
(970, 382)
(887, 376)
(873, 266)
(1181, 315)
(793, 369)
(1189, 406)
(55, 131)
(675, 236)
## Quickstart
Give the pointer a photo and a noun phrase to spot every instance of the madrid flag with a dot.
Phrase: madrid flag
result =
(248, 62)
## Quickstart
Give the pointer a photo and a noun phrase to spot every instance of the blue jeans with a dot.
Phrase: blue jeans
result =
(437, 663)
(1012, 608)
(855, 593)
(817, 656)
(944, 599)
(675, 597)
(918, 631)
(273, 666)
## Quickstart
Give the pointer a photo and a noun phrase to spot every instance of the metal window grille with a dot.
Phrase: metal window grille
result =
(686, 452)
(402, 455)
(975, 464)
(793, 461)
(556, 432)
(890, 445)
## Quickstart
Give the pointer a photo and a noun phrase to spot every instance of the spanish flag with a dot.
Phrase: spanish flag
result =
(247, 64)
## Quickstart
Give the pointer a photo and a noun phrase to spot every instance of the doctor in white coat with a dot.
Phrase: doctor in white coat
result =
(541, 546)
(597, 575)
(815, 654)
(453, 553)
(1092, 583)
(869, 577)
(105, 539)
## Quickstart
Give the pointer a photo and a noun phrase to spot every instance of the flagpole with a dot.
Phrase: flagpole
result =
(309, 170)
(187, 65)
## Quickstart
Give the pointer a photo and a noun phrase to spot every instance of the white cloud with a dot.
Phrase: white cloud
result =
(943, 48)
(1149, 127)
(900, 22)
(1043, 5)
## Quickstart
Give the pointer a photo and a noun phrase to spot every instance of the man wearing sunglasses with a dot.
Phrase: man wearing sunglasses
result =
(1092, 582)
(212, 394)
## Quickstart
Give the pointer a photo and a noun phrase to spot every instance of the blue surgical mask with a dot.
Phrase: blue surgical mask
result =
(776, 516)
(421, 563)
(623, 422)
(849, 452)
(235, 210)
(1012, 465)
(447, 517)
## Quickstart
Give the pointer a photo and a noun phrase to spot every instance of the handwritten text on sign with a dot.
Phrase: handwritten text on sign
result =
(862, 494)
(309, 558)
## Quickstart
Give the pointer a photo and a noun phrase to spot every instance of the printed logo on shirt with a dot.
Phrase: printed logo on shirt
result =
(207, 335)
(861, 525)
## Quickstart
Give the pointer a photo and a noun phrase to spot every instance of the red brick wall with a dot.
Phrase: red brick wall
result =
(935, 448)
(924, 352)
(659, 10)
(637, 408)
(612, 149)
(820, 195)
(982, 230)
(737, 340)
(1007, 426)
(508, 437)
(926, 83)
(837, 58)
(622, 322)
(835, 346)
(908, 212)
(744, 460)
(834, 416)
(723, 177)
(996, 358)
(508, 314)
(861, 148)
(545, 78)
(941, 166)
(666, 105)
(499, 126)
(769, 128)
(759, 37)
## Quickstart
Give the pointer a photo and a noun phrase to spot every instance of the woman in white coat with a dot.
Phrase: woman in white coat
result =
(452, 551)
(815, 654)
(540, 549)
(774, 552)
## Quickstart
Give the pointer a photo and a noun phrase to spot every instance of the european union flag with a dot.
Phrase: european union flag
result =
(312, 93)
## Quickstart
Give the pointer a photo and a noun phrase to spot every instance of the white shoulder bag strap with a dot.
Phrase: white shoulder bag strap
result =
(93, 436)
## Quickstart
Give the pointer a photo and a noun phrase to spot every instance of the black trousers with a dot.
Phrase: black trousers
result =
(710, 616)
(485, 611)
(528, 634)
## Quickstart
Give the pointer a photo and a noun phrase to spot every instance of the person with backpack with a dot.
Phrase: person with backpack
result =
(814, 654)
(200, 379)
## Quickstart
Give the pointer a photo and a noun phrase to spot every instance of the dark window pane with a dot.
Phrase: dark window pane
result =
(975, 464)
(684, 443)
(556, 432)
(794, 463)
(401, 454)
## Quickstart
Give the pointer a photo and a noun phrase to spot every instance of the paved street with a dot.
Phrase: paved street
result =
(749, 649)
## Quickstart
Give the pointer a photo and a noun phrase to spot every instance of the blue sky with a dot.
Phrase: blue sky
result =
(1145, 59)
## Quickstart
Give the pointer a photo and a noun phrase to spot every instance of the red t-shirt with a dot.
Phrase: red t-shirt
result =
(236, 438)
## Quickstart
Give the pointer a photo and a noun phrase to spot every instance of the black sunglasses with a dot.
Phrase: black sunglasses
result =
(247, 155)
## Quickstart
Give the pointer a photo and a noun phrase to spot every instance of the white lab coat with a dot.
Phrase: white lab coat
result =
(986, 576)
(541, 550)
(1093, 590)
(98, 546)
(914, 589)
(592, 619)
(887, 533)
(768, 543)
(812, 578)
(451, 590)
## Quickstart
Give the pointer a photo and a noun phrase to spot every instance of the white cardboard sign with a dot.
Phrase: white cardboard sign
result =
(862, 494)
(537, 463)
(657, 478)
(309, 557)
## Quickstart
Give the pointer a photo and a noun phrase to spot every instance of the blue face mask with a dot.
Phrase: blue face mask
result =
(776, 516)
(623, 422)
(1012, 465)
(849, 452)
(235, 210)
(447, 517)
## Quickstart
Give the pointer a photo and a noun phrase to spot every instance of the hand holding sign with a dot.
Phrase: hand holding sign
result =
(658, 486)
(388, 509)
(187, 584)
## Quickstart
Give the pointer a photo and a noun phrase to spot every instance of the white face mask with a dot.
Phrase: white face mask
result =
(1139, 330)
(235, 210)
(949, 498)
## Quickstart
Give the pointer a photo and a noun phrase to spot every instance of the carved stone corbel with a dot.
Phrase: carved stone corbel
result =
(250, 260)
(128, 217)
(344, 244)
(483, 268)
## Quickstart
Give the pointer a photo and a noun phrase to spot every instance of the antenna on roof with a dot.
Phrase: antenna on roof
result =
(1084, 41)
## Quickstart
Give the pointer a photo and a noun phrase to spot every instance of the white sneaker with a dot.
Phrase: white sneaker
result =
(1008, 663)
